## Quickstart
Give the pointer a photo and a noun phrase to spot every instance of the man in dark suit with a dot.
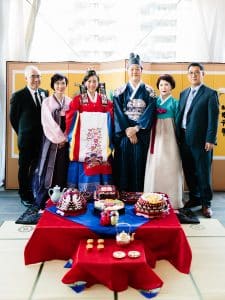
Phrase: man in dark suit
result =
(196, 126)
(25, 118)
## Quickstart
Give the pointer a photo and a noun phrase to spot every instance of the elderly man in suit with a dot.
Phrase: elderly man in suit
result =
(25, 118)
(196, 126)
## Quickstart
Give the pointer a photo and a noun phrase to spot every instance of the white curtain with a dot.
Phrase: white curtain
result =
(3, 26)
(15, 44)
(30, 29)
(201, 31)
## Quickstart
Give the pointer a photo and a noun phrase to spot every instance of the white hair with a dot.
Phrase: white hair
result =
(30, 68)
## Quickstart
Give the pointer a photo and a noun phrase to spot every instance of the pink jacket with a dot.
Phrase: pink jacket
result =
(51, 129)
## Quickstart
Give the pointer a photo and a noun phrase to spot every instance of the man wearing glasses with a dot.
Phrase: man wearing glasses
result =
(25, 118)
(196, 123)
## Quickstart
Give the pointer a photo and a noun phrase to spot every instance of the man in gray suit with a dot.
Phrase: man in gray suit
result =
(196, 127)
(25, 118)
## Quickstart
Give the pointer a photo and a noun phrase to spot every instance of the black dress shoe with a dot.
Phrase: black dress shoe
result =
(187, 212)
(30, 216)
(26, 202)
(186, 216)
(192, 203)
(32, 209)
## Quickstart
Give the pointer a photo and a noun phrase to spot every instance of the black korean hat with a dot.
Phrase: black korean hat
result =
(134, 59)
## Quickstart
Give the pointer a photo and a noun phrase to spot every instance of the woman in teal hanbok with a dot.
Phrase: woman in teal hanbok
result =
(163, 168)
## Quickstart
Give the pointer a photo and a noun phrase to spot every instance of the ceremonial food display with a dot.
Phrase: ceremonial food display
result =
(130, 197)
(109, 205)
(106, 200)
(151, 205)
(105, 192)
(71, 203)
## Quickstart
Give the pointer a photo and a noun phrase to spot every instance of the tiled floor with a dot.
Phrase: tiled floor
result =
(43, 281)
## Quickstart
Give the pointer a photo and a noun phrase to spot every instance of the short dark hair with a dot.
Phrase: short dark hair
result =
(195, 64)
(89, 74)
(167, 78)
(57, 77)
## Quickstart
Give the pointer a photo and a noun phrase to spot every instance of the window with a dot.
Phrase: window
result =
(99, 30)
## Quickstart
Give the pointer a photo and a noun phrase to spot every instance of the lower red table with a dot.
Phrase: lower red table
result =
(99, 266)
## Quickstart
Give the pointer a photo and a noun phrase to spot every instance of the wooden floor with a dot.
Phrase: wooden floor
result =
(43, 281)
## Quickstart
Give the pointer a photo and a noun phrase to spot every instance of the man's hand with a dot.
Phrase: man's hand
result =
(133, 139)
(208, 146)
(130, 131)
(131, 134)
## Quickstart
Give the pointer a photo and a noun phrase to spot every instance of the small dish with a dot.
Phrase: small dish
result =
(89, 247)
(100, 241)
(119, 254)
(134, 254)
(90, 241)
(100, 247)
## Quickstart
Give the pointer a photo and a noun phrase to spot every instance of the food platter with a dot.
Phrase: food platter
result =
(109, 205)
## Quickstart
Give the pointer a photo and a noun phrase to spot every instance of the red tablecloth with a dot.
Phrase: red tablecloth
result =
(57, 238)
(99, 266)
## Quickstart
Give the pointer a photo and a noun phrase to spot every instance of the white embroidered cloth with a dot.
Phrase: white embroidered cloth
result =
(94, 138)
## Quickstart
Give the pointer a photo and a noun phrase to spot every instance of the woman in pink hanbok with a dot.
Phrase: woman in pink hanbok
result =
(53, 163)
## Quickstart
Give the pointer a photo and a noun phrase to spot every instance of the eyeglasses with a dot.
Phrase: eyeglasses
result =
(35, 76)
(194, 73)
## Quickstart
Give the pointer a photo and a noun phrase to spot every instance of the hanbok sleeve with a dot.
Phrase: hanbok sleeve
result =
(149, 115)
(73, 107)
(120, 119)
(110, 109)
(51, 129)
(175, 107)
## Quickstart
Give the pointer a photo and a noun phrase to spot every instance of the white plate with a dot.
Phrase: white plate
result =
(119, 254)
(134, 254)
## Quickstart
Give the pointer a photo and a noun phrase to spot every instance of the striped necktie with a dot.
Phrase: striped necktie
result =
(37, 101)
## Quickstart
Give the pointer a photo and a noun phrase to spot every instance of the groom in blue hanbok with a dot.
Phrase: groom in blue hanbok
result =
(134, 113)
